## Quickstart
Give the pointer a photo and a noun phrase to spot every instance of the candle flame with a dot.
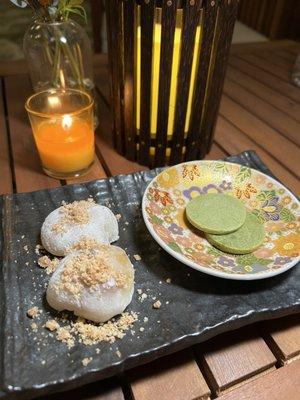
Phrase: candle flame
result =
(66, 122)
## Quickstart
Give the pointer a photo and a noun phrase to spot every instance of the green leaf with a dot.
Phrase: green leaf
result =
(266, 195)
(174, 246)
(258, 215)
(220, 166)
(155, 220)
(286, 215)
(243, 174)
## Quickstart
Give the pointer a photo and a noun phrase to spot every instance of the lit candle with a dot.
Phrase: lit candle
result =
(63, 131)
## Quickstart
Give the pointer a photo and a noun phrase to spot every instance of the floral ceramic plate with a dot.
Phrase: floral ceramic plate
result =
(164, 204)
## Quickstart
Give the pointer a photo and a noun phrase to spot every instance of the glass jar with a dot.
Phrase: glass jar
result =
(59, 55)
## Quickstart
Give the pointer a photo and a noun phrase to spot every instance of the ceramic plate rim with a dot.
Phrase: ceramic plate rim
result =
(211, 271)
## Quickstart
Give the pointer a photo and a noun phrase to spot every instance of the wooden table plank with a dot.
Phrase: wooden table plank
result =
(264, 111)
(260, 47)
(175, 377)
(264, 92)
(283, 337)
(284, 383)
(234, 357)
(6, 182)
(285, 88)
(27, 166)
(274, 58)
(235, 141)
(268, 66)
(286, 55)
(262, 134)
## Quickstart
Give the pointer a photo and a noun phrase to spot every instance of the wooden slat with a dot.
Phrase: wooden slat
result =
(287, 89)
(234, 357)
(234, 141)
(114, 42)
(284, 383)
(268, 66)
(147, 21)
(286, 55)
(169, 8)
(175, 377)
(264, 111)
(129, 63)
(262, 134)
(190, 21)
(209, 16)
(264, 92)
(6, 183)
(283, 337)
(225, 24)
(277, 60)
(28, 172)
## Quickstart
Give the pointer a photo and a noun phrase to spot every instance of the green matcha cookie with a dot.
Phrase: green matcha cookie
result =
(245, 240)
(216, 213)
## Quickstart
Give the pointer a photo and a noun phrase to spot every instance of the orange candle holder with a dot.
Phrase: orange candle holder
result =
(62, 125)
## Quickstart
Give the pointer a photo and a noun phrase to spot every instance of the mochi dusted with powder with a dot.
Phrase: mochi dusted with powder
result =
(69, 224)
(95, 284)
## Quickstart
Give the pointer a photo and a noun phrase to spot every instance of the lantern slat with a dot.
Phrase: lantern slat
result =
(114, 38)
(168, 22)
(191, 16)
(209, 16)
(147, 22)
(128, 52)
(227, 15)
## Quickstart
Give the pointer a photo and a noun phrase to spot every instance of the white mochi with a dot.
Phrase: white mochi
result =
(102, 227)
(100, 302)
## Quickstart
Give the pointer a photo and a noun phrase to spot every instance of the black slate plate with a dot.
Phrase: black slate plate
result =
(200, 306)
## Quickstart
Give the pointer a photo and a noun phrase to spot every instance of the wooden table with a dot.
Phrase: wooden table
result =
(260, 110)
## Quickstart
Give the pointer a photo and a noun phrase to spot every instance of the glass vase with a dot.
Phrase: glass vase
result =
(59, 55)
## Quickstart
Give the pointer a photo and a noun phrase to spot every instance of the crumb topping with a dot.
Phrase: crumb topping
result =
(86, 361)
(86, 243)
(48, 264)
(88, 269)
(107, 332)
(73, 213)
(157, 304)
(64, 335)
(52, 325)
(137, 257)
(33, 312)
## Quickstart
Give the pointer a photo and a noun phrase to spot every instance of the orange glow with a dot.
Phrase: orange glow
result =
(65, 144)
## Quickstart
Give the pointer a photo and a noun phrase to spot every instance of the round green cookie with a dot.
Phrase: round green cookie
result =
(216, 213)
(245, 240)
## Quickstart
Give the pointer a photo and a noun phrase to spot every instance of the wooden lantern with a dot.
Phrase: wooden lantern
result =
(167, 60)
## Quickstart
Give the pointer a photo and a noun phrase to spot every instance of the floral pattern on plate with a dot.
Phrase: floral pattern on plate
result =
(164, 205)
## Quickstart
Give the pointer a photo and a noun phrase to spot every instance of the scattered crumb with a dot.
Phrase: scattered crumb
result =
(25, 247)
(118, 216)
(64, 335)
(97, 350)
(142, 329)
(86, 361)
(38, 247)
(33, 326)
(157, 304)
(118, 353)
(143, 297)
(33, 312)
(168, 280)
(48, 264)
(52, 325)
(27, 263)
(126, 223)
(137, 257)
(146, 319)
(23, 236)
(43, 362)
(139, 291)
(167, 302)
